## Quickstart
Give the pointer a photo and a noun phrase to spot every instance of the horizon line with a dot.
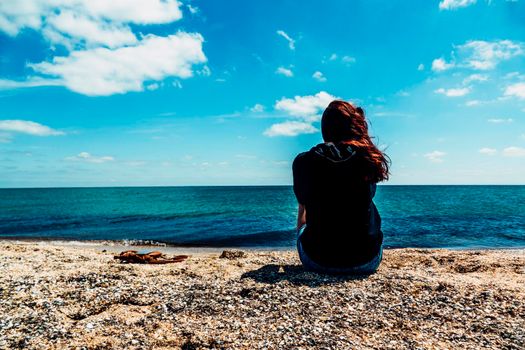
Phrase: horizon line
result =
(265, 185)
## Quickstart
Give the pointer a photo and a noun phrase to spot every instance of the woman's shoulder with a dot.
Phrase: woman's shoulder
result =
(301, 156)
(301, 160)
(304, 156)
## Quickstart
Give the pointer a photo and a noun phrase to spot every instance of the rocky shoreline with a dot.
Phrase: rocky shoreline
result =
(64, 297)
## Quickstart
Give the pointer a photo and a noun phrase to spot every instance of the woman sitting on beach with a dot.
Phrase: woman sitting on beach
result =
(334, 182)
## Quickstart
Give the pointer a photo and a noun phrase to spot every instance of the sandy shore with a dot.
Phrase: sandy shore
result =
(59, 296)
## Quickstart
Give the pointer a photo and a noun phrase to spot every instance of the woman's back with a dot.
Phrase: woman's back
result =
(342, 224)
(335, 183)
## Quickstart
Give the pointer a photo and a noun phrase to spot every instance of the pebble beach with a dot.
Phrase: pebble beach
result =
(56, 296)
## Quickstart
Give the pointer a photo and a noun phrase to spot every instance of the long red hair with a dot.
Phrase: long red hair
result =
(342, 122)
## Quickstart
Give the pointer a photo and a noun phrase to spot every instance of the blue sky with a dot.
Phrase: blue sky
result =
(151, 92)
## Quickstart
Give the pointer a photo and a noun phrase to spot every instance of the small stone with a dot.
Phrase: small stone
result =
(232, 254)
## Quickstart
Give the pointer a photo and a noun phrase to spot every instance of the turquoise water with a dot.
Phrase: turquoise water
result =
(413, 216)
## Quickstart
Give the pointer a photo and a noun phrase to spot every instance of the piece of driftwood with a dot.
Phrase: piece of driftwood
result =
(133, 257)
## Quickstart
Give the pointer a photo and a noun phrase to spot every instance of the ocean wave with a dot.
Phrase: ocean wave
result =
(164, 217)
(277, 238)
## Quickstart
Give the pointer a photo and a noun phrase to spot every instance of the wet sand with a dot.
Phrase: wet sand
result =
(56, 296)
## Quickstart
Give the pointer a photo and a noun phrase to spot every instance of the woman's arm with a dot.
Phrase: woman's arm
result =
(301, 217)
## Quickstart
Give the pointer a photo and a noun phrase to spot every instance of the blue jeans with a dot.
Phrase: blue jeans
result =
(365, 269)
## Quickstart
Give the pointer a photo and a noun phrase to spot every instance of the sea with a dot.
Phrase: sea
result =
(462, 217)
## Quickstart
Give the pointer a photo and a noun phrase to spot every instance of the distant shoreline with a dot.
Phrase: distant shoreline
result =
(152, 245)
(132, 245)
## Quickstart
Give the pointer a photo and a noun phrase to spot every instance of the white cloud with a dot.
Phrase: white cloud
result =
(93, 21)
(257, 108)
(290, 128)
(485, 55)
(348, 59)
(221, 118)
(513, 75)
(480, 55)
(86, 157)
(475, 78)
(193, 9)
(345, 59)
(30, 82)
(319, 76)
(281, 162)
(152, 86)
(32, 13)
(514, 152)
(102, 71)
(475, 103)
(291, 42)
(453, 92)
(136, 11)
(305, 106)
(454, 4)
(435, 156)
(205, 71)
(472, 103)
(246, 156)
(70, 28)
(106, 57)
(28, 127)
(284, 71)
(488, 151)
(517, 90)
(421, 67)
(500, 120)
(439, 65)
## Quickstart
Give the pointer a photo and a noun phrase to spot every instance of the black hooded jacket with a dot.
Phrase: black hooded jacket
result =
(343, 226)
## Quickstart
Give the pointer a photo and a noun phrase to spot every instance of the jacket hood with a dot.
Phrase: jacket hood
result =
(336, 153)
